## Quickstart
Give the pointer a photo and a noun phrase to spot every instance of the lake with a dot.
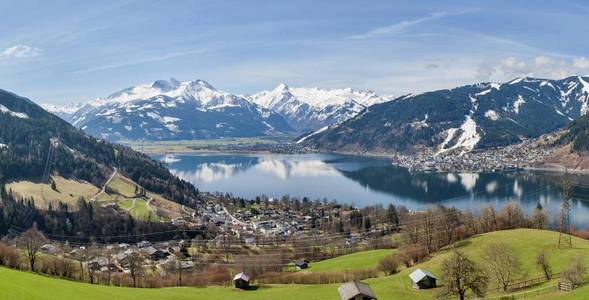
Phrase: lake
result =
(365, 181)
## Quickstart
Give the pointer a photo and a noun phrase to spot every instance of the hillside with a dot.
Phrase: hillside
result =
(527, 243)
(465, 118)
(571, 147)
(35, 144)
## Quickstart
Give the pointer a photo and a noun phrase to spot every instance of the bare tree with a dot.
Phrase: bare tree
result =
(540, 218)
(576, 270)
(32, 240)
(135, 267)
(542, 262)
(511, 216)
(502, 263)
(460, 274)
(428, 226)
(487, 219)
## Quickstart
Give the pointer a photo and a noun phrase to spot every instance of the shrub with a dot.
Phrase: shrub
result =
(9, 256)
(389, 264)
(575, 272)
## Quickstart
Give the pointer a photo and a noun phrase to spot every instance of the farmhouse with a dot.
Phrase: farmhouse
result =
(242, 281)
(423, 279)
(156, 254)
(355, 290)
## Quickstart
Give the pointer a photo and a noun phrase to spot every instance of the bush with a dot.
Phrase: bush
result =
(575, 272)
(389, 264)
(413, 254)
(9, 256)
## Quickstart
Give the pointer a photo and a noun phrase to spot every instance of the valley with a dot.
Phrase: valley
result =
(317, 150)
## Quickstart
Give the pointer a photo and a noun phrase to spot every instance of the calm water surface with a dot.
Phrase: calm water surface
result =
(365, 181)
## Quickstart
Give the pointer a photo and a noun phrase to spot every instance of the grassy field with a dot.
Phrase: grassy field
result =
(68, 191)
(122, 192)
(184, 146)
(123, 186)
(359, 260)
(527, 243)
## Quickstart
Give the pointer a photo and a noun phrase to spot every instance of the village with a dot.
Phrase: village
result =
(508, 158)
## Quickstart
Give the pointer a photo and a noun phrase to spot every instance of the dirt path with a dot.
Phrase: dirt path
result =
(103, 190)
(132, 206)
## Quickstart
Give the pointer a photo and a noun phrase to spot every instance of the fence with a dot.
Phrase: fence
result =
(565, 286)
(524, 284)
(527, 294)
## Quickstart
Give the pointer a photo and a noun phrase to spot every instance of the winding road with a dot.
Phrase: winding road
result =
(103, 190)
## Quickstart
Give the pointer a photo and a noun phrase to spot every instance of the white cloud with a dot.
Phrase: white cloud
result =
(20, 51)
(581, 62)
(514, 66)
(404, 25)
(542, 60)
(540, 66)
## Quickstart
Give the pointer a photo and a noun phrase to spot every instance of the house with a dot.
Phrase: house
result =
(301, 264)
(143, 244)
(355, 290)
(155, 254)
(49, 249)
(423, 279)
(123, 258)
(242, 281)
(98, 263)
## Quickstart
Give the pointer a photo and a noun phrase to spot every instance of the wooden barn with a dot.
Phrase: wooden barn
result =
(355, 290)
(242, 281)
(301, 264)
(423, 279)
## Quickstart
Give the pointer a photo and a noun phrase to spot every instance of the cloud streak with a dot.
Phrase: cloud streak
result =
(140, 61)
(402, 26)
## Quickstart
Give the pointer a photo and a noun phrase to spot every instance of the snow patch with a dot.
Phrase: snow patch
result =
(312, 134)
(4, 109)
(518, 103)
(491, 114)
(467, 140)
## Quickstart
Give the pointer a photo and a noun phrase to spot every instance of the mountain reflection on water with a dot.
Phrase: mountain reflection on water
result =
(366, 181)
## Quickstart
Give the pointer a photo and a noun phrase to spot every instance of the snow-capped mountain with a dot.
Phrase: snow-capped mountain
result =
(313, 108)
(464, 118)
(174, 110)
(63, 111)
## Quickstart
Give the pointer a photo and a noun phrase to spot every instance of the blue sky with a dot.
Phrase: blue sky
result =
(64, 51)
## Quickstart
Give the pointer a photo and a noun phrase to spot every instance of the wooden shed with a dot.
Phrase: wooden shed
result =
(242, 281)
(355, 290)
(301, 264)
(422, 279)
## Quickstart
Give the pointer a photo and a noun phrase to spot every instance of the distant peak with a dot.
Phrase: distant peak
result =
(282, 86)
(165, 85)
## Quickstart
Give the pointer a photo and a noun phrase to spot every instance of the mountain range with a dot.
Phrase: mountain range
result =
(177, 110)
(464, 118)
(312, 108)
